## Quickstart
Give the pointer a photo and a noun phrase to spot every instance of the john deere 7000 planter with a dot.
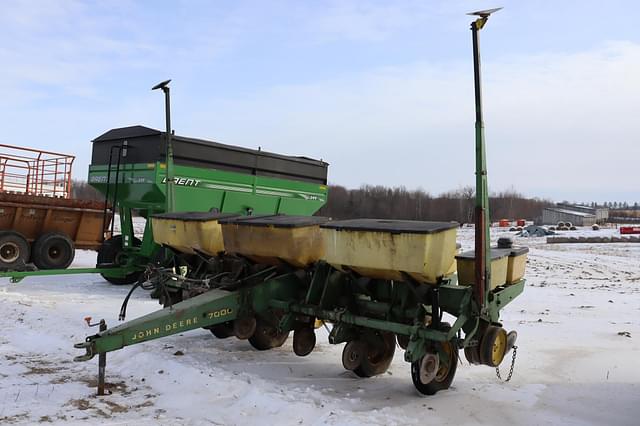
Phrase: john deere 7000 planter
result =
(248, 272)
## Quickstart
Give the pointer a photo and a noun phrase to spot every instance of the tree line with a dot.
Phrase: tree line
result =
(400, 203)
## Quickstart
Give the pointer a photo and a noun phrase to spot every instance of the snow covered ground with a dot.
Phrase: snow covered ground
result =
(579, 346)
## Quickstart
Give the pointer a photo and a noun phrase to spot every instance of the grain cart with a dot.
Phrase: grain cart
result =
(377, 282)
(128, 166)
(41, 225)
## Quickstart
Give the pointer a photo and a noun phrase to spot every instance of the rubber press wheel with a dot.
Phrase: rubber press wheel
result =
(444, 374)
(110, 252)
(14, 250)
(380, 348)
(53, 250)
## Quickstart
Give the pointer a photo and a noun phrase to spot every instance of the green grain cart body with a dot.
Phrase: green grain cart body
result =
(128, 166)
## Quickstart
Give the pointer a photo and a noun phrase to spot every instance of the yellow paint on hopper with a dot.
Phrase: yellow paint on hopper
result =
(186, 235)
(499, 261)
(515, 267)
(386, 255)
(300, 246)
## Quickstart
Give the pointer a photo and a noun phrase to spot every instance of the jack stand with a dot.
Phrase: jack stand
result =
(102, 363)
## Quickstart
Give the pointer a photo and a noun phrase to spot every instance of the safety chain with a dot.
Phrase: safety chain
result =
(513, 363)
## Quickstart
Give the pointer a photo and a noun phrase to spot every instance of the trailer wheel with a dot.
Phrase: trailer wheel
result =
(53, 250)
(427, 383)
(267, 336)
(14, 250)
(380, 348)
(109, 253)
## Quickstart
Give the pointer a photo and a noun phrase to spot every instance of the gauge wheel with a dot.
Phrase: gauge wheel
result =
(493, 346)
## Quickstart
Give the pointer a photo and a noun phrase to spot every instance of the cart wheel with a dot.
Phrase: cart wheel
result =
(304, 340)
(378, 354)
(221, 331)
(267, 337)
(53, 250)
(422, 372)
(109, 253)
(493, 346)
(14, 250)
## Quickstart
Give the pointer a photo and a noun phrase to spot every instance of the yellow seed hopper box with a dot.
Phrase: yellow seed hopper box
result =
(392, 249)
(499, 264)
(516, 264)
(187, 232)
(275, 239)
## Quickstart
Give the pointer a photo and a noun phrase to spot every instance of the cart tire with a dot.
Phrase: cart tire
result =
(53, 250)
(14, 250)
(378, 355)
(443, 377)
(267, 337)
(109, 251)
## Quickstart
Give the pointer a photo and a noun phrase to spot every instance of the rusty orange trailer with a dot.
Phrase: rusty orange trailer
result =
(39, 221)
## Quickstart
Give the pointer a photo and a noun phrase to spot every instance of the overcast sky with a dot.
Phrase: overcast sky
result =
(383, 91)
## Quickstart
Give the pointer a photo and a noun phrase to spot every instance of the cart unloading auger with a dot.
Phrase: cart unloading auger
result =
(377, 282)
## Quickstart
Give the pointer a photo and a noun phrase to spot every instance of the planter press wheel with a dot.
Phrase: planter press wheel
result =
(14, 250)
(111, 252)
(267, 336)
(378, 350)
(53, 250)
(430, 374)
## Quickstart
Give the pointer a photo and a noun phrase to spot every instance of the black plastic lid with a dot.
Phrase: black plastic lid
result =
(496, 253)
(195, 216)
(278, 221)
(518, 251)
(392, 226)
(505, 242)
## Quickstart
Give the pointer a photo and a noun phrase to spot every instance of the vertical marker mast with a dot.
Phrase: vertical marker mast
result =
(169, 148)
(482, 250)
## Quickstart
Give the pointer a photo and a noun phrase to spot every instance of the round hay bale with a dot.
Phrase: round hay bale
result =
(573, 228)
(568, 224)
(560, 224)
(595, 227)
(552, 228)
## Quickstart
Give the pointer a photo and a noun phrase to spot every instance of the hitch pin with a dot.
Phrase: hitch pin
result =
(95, 324)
